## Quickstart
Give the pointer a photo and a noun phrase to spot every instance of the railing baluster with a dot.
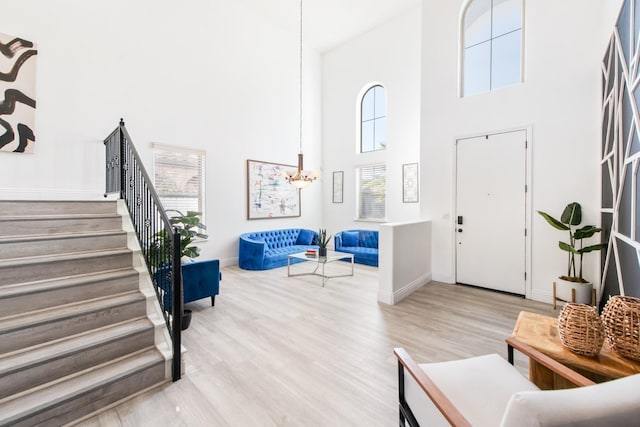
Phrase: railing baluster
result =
(126, 175)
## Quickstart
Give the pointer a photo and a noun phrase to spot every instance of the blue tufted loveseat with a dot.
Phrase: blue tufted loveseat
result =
(363, 244)
(262, 250)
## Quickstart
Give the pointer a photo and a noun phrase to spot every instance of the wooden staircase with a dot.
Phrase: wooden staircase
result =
(80, 329)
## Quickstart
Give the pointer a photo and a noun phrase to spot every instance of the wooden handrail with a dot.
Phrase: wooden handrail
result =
(555, 366)
(444, 405)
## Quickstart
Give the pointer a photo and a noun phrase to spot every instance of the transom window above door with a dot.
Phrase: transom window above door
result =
(491, 33)
(373, 119)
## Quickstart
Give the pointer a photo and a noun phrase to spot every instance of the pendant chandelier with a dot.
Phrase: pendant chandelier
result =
(300, 178)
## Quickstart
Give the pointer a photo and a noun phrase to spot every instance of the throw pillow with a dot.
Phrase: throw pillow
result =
(305, 237)
(350, 238)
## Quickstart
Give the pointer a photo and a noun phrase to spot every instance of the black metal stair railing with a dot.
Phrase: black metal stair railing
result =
(159, 241)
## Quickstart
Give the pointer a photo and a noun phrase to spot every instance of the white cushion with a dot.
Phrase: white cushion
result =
(613, 403)
(480, 387)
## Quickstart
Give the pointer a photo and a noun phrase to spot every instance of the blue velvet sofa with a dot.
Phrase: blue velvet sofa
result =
(363, 244)
(262, 250)
(200, 279)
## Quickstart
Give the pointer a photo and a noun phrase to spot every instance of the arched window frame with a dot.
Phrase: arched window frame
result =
(461, 47)
(361, 98)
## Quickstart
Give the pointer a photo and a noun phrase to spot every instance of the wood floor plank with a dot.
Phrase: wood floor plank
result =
(279, 351)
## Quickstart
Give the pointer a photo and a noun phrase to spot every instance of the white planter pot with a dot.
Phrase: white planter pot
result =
(583, 291)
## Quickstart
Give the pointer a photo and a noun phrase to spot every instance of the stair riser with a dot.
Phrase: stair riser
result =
(61, 268)
(12, 340)
(82, 243)
(23, 303)
(39, 207)
(93, 400)
(33, 376)
(37, 226)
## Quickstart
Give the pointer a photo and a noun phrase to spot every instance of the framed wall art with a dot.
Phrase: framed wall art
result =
(410, 183)
(269, 195)
(17, 94)
(338, 178)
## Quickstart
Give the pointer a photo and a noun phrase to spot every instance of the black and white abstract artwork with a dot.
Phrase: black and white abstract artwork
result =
(17, 94)
(620, 160)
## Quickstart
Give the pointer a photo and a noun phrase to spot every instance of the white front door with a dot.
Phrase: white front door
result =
(490, 222)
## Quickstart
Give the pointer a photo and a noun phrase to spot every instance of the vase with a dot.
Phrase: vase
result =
(322, 251)
(581, 329)
(621, 317)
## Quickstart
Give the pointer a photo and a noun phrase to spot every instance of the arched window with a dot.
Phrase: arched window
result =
(373, 119)
(492, 45)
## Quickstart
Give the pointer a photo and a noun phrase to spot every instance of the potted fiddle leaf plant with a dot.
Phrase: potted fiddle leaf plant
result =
(323, 241)
(188, 226)
(575, 248)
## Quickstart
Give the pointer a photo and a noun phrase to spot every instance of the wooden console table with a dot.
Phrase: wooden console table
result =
(541, 333)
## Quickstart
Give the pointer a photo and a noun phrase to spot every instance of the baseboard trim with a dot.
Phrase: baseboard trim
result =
(405, 291)
(443, 278)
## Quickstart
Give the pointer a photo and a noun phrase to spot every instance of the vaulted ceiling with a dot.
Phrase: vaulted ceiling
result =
(329, 23)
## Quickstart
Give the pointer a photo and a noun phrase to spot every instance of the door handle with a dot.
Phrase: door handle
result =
(459, 230)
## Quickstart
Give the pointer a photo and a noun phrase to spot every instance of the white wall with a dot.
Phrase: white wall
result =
(560, 100)
(208, 74)
(390, 55)
(405, 259)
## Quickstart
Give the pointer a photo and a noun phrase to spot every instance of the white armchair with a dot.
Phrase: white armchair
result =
(488, 391)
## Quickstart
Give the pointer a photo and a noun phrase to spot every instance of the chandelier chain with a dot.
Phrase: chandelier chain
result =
(300, 76)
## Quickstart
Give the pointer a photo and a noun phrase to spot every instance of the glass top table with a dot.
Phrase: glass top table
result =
(320, 261)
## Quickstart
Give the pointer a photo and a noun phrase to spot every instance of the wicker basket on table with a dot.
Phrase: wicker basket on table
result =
(621, 317)
(581, 329)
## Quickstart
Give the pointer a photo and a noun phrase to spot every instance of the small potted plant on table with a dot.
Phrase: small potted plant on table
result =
(323, 241)
(573, 287)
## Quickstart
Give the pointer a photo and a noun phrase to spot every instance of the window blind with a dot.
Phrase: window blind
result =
(179, 178)
(371, 192)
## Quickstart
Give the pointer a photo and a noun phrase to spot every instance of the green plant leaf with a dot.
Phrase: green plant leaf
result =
(567, 247)
(572, 214)
(191, 252)
(592, 248)
(586, 232)
(553, 222)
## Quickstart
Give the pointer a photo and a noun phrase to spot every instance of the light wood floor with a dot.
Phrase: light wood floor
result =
(278, 351)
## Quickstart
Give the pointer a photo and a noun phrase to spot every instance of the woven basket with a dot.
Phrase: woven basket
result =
(621, 317)
(581, 329)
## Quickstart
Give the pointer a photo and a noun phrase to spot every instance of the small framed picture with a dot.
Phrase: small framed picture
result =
(410, 183)
(338, 178)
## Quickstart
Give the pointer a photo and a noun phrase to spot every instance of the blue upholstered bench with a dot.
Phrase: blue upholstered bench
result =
(263, 250)
(363, 244)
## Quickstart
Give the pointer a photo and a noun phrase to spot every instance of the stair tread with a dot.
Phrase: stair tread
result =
(42, 259)
(14, 407)
(19, 360)
(56, 207)
(68, 310)
(44, 217)
(64, 282)
(60, 236)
